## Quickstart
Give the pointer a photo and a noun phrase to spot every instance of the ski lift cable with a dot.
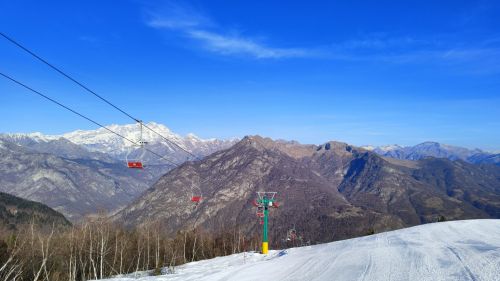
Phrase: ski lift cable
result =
(82, 116)
(64, 74)
(90, 91)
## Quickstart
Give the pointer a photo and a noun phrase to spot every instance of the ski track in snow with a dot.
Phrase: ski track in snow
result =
(458, 250)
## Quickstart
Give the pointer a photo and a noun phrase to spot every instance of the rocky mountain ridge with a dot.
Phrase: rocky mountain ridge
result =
(328, 192)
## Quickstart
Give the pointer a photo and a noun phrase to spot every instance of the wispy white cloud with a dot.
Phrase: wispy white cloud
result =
(378, 42)
(173, 23)
(192, 23)
(177, 16)
(200, 28)
(229, 45)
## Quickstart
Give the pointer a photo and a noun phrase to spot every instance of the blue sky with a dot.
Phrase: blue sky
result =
(364, 72)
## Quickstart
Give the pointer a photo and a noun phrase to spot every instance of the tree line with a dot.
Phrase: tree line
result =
(98, 248)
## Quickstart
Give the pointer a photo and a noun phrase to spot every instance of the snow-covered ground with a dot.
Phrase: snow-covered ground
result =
(458, 250)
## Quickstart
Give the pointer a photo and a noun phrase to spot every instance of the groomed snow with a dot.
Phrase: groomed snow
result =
(458, 250)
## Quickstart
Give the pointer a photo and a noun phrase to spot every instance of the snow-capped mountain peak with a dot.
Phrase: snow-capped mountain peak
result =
(383, 148)
(159, 138)
(106, 141)
(389, 147)
(36, 136)
(368, 147)
(435, 149)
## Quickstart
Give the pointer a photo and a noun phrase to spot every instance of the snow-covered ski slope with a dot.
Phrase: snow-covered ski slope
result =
(458, 250)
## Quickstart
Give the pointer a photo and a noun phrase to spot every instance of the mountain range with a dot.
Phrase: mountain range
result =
(73, 186)
(102, 142)
(327, 192)
(83, 172)
(437, 150)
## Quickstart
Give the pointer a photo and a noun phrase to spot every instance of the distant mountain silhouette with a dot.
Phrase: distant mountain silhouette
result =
(437, 150)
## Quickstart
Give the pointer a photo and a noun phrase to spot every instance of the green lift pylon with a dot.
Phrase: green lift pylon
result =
(263, 203)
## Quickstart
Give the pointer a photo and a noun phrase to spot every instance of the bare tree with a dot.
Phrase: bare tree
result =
(44, 248)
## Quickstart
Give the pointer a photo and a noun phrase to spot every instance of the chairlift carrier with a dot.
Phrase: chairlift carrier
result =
(198, 196)
(137, 163)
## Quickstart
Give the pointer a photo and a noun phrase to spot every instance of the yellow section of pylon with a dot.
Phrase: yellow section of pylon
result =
(265, 248)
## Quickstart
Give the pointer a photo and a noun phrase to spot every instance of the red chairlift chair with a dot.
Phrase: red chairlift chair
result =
(196, 199)
(135, 165)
